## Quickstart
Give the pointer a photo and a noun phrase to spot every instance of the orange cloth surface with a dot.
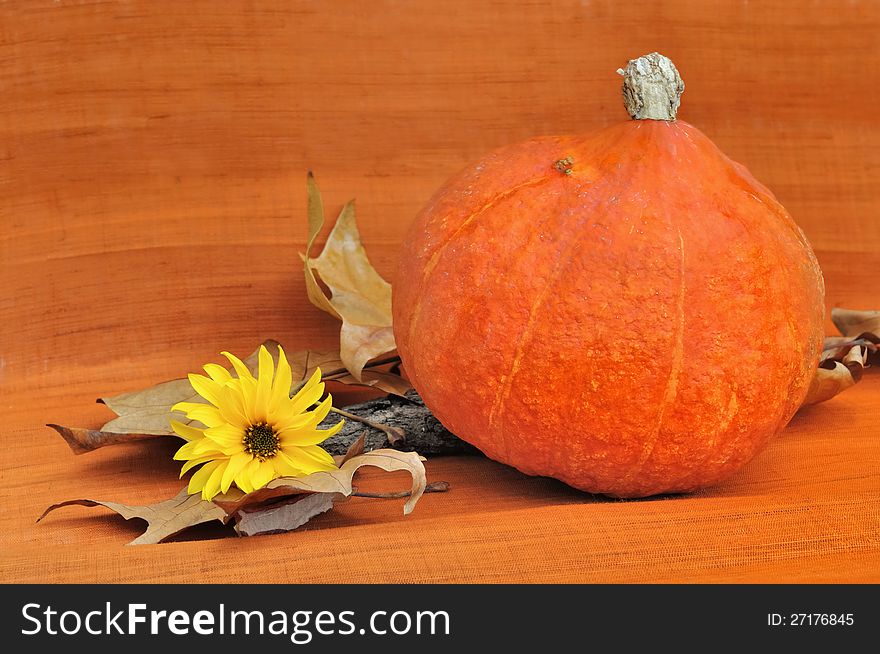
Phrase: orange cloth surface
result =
(152, 205)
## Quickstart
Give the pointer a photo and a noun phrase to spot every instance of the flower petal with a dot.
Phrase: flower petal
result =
(192, 463)
(206, 387)
(225, 435)
(232, 407)
(285, 467)
(243, 478)
(281, 385)
(236, 463)
(204, 413)
(308, 394)
(218, 373)
(186, 450)
(197, 482)
(187, 432)
(310, 458)
(264, 473)
(312, 419)
(294, 436)
(264, 385)
(206, 447)
(242, 370)
(212, 485)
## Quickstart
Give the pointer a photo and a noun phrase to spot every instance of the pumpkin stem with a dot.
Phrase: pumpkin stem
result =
(651, 87)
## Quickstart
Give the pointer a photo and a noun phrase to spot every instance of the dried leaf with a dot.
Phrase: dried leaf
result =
(260, 512)
(164, 519)
(378, 379)
(147, 413)
(81, 441)
(316, 222)
(845, 357)
(335, 481)
(285, 516)
(304, 363)
(834, 377)
(142, 414)
(355, 449)
(855, 323)
(359, 295)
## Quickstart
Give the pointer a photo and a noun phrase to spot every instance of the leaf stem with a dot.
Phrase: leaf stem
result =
(394, 434)
(433, 487)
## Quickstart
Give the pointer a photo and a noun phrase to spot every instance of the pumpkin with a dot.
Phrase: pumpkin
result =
(628, 311)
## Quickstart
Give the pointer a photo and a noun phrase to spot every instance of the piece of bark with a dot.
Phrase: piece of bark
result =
(424, 433)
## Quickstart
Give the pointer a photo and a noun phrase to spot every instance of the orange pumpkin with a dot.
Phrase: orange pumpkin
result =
(628, 311)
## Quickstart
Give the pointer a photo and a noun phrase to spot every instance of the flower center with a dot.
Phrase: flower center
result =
(261, 441)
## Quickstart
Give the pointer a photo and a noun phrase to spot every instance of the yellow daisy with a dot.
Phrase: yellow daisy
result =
(254, 431)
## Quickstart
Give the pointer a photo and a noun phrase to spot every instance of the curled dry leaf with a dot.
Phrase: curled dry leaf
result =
(845, 357)
(355, 449)
(834, 377)
(854, 323)
(360, 298)
(261, 512)
(333, 481)
(81, 440)
(304, 363)
(164, 519)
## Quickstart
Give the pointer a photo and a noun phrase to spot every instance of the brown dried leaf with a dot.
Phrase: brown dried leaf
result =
(855, 323)
(147, 413)
(845, 357)
(81, 441)
(304, 363)
(164, 519)
(355, 449)
(285, 516)
(359, 295)
(315, 213)
(142, 414)
(335, 481)
(834, 377)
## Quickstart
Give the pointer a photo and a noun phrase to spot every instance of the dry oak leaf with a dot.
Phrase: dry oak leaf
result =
(284, 516)
(147, 413)
(164, 519)
(845, 357)
(360, 298)
(141, 414)
(336, 482)
(853, 323)
(304, 363)
(833, 376)
(260, 512)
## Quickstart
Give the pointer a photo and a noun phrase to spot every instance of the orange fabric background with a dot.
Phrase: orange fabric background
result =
(152, 195)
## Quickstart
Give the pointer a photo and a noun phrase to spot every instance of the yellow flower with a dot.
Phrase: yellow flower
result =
(255, 432)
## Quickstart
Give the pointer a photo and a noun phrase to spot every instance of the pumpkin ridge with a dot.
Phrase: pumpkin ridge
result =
(507, 380)
(675, 370)
(435, 258)
(565, 259)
